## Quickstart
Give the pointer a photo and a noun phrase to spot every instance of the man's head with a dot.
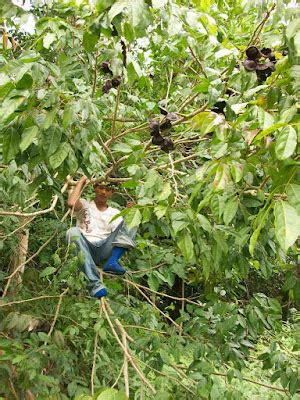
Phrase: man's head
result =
(103, 191)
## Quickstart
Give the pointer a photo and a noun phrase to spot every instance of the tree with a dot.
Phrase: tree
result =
(169, 99)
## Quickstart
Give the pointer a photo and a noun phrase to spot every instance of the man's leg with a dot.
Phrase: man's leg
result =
(89, 251)
(115, 246)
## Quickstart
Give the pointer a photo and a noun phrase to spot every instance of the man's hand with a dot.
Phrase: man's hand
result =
(130, 204)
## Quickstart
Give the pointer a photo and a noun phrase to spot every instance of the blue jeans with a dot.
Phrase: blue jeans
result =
(96, 252)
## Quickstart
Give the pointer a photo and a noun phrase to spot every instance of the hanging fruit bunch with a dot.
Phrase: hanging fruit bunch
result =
(253, 62)
(166, 144)
(109, 83)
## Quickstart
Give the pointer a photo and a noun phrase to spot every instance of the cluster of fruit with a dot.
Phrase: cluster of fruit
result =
(109, 83)
(165, 143)
(263, 70)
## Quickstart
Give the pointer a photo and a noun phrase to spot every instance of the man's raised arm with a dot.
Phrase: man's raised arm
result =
(74, 197)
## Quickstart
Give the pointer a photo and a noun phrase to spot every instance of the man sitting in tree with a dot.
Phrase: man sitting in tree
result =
(96, 236)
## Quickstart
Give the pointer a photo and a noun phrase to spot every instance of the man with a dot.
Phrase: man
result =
(96, 236)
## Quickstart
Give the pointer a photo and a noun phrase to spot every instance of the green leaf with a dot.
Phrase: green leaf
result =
(68, 116)
(28, 135)
(50, 118)
(137, 11)
(9, 106)
(89, 41)
(287, 224)
(111, 394)
(204, 223)
(133, 217)
(186, 246)
(222, 178)
(47, 271)
(266, 132)
(57, 158)
(293, 193)
(11, 140)
(206, 121)
(260, 219)
(230, 209)
(165, 193)
(48, 39)
(25, 82)
(51, 139)
(286, 143)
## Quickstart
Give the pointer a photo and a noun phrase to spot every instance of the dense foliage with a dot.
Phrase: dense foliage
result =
(202, 131)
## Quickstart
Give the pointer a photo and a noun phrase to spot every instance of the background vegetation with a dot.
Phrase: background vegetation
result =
(208, 309)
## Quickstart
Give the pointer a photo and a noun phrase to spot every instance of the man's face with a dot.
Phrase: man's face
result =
(102, 191)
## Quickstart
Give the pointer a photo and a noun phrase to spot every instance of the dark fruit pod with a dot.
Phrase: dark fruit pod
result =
(114, 31)
(105, 67)
(272, 57)
(167, 145)
(124, 52)
(172, 117)
(253, 53)
(266, 51)
(116, 81)
(218, 107)
(284, 52)
(165, 125)
(266, 66)
(154, 126)
(107, 86)
(250, 65)
(163, 111)
(158, 140)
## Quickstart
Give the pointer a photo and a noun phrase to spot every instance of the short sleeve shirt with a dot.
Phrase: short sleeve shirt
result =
(95, 224)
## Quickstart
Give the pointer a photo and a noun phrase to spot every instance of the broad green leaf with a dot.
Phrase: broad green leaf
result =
(178, 226)
(11, 140)
(122, 148)
(230, 209)
(165, 192)
(237, 171)
(89, 41)
(111, 394)
(222, 178)
(287, 224)
(47, 271)
(28, 135)
(133, 217)
(25, 82)
(51, 139)
(258, 224)
(286, 143)
(265, 119)
(204, 222)
(48, 39)
(68, 116)
(266, 132)
(206, 121)
(137, 12)
(49, 118)
(293, 193)
(60, 155)
(9, 106)
(186, 245)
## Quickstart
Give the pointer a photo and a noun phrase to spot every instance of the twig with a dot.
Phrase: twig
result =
(163, 294)
(182, 305)
(191, 115)
(130, 358)
(138, 128)
(148, 269)
(125, 369)
(174, 180)
(95, 352)
(260, 26)
(188, 101)
(146, 329)
(118, 377)
(95, 74)
(169, 85)
(57, 311)
(28, 300)
(4, 237)
(198, 62)
(155, 306)
(41, 212)
(113, 129)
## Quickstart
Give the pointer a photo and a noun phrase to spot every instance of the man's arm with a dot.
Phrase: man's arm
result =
(74, 197)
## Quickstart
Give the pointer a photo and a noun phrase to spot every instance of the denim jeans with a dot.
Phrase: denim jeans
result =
(97, 252)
